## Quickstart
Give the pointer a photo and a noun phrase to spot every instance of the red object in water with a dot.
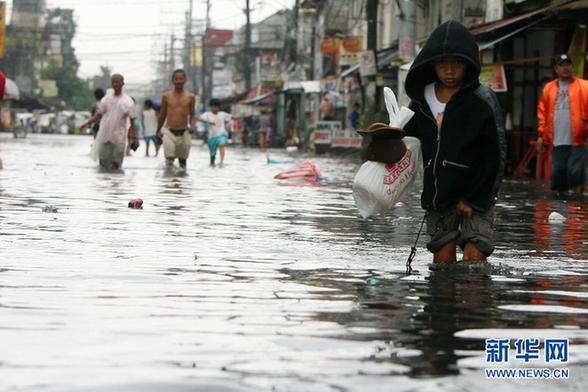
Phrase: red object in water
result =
(304, 171)
(136, 203)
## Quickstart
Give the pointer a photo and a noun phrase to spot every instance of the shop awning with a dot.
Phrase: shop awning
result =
(503, 23)
(309, 86)
(388, 58)
(349, 70)
(500, 30)
(257, 99)
(486, 45)
(257, 94)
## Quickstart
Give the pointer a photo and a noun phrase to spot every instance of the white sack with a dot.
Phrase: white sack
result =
(379, 186)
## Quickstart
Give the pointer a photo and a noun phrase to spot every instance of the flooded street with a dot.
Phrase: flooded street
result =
(228, 280)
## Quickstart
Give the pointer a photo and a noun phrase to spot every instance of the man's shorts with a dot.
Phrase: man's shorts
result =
(214, 142)
(151, 138)
(110, 153)
(448, 226)
(176, 146)
(568, 167)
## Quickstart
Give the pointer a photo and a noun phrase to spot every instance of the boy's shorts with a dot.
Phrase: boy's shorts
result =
(214, 142)
(151, 138)
(176, 146)
(447, 226)
(110, 153)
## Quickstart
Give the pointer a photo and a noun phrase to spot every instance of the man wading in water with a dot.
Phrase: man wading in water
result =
(178, 108)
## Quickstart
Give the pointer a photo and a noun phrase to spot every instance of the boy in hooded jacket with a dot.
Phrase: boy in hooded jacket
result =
(460, 125)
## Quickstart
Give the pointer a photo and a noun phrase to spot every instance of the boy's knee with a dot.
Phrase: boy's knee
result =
(472, 253)
(446, 254)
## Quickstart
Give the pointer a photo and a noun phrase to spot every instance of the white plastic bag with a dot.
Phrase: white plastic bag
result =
(399, 117)
(379, 186)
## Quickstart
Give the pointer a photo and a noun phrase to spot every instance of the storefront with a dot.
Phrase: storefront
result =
(517, 56)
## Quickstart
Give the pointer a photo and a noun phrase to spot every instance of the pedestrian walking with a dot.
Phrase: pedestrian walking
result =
(265, 127)
(178, 115)
(327, 110)
(217, 132)
(461, 129)
(113, 113)
(562, 115)
(98, 95)
(354, 116)
(150, 127)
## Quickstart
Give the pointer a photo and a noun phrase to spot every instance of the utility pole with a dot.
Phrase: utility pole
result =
(171, 53)
(203, 88)
(295, 51)
(407, 39)
(188, 46)
(371, 13)
(247, 49)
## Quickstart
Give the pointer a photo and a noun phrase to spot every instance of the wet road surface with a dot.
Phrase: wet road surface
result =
(228, 280)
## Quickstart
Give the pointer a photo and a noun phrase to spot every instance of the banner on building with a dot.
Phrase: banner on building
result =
(348, 59)
(330, 46)
(269, 67)
(406, 49)
(353, 43)
(494, 77)
(49, 87)
(577, 50)
(367, 63)
(494, 10)
(221, 83)
(196, 55)
(2, 27)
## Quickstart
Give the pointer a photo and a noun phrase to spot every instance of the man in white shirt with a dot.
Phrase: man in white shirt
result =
(113, 112)
(217, 133)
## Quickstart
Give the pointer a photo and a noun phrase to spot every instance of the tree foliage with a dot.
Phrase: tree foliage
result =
(75, 92)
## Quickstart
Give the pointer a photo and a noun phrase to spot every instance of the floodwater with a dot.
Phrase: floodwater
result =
(228, 280)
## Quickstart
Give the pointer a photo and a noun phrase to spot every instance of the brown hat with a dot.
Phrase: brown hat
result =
(386, 150)
(383, 131)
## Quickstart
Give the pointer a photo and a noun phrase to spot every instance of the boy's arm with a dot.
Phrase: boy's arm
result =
(492, 159)
(204, 120)
(411, 127)
(162, 116)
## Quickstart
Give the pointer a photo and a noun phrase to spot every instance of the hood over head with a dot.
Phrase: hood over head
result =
(450, 39)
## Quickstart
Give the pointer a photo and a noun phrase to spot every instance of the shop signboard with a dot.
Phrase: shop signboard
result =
(2, 27)
(345, 138)
(353, 43)
(367, 63)
(348, 59)
(494, 10)
(494, 77)
(323, 133)
(330, 46)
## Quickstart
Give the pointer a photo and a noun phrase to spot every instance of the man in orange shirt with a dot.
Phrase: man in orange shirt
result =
(563, 125)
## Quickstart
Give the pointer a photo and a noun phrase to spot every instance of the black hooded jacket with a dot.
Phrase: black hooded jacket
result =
(465, 158)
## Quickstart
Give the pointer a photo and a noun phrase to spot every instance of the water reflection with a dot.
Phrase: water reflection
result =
(230, 278)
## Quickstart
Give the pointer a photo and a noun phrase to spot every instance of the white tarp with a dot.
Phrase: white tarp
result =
(12, 89)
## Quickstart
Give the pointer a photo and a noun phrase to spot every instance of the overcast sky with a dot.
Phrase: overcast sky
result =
(129, 35)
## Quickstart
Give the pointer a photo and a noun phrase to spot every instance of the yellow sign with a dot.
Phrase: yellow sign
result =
(494, 77)
(578, 50)
(2, 27)
(196, 55)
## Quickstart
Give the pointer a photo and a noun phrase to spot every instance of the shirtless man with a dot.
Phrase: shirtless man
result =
(178, 108)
